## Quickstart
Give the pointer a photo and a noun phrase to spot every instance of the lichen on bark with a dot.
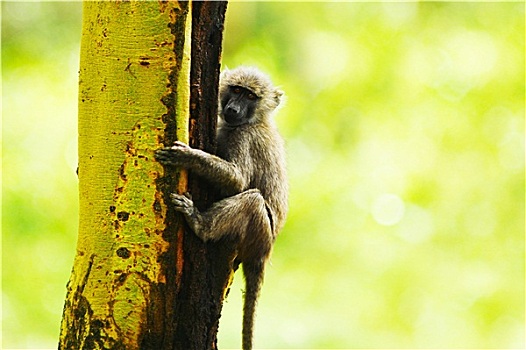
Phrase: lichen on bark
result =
(133, 99)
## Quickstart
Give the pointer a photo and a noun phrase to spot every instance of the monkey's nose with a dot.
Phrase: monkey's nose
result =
(232, 110)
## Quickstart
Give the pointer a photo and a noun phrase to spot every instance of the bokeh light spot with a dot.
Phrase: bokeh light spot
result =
(388, 209)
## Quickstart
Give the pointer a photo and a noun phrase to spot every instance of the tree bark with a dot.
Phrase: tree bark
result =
(139, 281)
(208, 268)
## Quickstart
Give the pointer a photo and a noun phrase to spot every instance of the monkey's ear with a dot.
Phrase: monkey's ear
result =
(278, 96)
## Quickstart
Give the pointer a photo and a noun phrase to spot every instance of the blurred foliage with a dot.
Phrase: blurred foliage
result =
(405, 134)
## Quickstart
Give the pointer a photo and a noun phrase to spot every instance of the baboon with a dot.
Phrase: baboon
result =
(249, 173)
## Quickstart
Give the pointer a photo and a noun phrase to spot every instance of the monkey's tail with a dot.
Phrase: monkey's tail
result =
(253, 278)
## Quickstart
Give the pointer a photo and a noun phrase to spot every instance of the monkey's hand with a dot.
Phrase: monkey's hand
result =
(185, 205)
(176, 155)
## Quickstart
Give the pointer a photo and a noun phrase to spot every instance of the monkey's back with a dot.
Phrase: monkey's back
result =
(258, 152)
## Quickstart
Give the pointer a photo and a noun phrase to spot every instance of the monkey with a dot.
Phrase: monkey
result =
(248, 170)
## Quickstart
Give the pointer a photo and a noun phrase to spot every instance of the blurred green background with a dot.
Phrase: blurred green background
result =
(405, 135)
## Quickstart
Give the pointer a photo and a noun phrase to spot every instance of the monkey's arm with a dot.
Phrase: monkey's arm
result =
(216, 170)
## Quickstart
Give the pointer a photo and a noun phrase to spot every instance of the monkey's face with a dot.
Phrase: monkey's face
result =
(238, 105)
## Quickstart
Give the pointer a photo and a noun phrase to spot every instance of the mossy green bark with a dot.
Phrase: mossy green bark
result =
(133, 99)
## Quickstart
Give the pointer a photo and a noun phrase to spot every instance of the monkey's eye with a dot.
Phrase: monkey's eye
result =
(251, 96)
(237, 90)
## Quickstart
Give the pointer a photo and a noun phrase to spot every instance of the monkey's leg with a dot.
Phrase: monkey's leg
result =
(244, 216)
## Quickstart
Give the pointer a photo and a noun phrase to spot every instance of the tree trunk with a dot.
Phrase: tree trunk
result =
(139, 281)
(208, 268)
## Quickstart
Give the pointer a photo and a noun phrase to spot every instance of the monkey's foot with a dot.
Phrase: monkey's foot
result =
(183, 204)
